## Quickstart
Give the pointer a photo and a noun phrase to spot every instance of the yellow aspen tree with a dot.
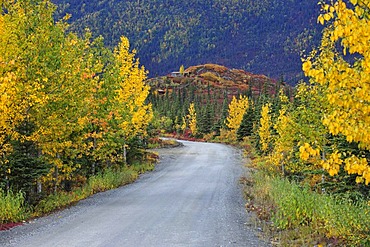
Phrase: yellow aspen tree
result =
(56, 83)
(133, 114)
(264, 130)
(284, 143)
(63, 119)
(95, 139)
(26, 51)
(308, 124)
(182, 70)
(237, 108)
(310, 135)
(10, 112)
(284, 139)
(53, 85)
(184, 124)
(192, 117)
(133, 91)
(346, 83)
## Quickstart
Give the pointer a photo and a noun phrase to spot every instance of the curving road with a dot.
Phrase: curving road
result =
(191, 199)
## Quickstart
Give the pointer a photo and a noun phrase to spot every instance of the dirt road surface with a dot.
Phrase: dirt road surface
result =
(191, 199)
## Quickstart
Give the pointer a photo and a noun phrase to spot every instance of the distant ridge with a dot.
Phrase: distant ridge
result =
(263, 37)
(219, 78)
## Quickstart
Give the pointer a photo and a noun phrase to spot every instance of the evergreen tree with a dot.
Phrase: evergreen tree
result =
(246, 126)
(25, 163)
(205, 121)
(224, 111)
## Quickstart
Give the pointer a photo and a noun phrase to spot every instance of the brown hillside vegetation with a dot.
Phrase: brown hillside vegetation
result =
(217, 78)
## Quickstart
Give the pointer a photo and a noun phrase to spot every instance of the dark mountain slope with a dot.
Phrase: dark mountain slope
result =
(263, 37)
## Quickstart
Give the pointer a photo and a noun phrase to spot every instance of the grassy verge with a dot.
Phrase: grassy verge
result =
(293, 215)
(163, 143)
(14, 209)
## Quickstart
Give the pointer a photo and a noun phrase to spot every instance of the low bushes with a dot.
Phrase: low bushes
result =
(110, 179)
(14, 209)
(301, 217)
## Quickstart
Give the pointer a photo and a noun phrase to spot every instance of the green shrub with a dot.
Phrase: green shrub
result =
(12, 207)
(109, 179)
(303, 214)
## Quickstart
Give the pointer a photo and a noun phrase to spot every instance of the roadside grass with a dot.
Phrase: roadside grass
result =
(162, 143)
(14, 209)
(109, 179)
(293, 215)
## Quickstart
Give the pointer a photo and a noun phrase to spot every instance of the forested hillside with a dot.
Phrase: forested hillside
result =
(263, 37)
(210, 88)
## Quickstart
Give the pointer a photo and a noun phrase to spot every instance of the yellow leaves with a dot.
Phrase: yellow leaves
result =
(132, 93)
(308, 69)
(192, 116)
(320, 19)
(359, 11)
(190, 120)
(342, 5)
(303, 154)
(73, 42)
(237, 108)
(355, 130)
(306, 151)
(306, 66)
(283, 126)
(359, 166)
(355, 165)
(328, 15)
(333, 163)
(265, 125)
(55, 81)
(184, 124)
(354, 2)
(82, 120)
(346, 86)
(284, 141)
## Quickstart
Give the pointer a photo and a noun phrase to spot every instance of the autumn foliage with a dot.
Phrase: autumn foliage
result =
(341, 68)
(322, 134)
(237, 108)
(318, 148)
(69, 107)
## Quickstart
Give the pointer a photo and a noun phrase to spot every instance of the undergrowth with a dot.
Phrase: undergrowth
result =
(14, 209)
(294, 215)
(107, 180)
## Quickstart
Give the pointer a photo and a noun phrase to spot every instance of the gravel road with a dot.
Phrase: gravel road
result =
(192, 198)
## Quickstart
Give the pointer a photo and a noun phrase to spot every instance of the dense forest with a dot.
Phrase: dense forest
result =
(262, 37)
(70, 108)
